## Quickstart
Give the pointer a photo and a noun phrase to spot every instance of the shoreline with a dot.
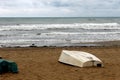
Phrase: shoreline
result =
(86, 44)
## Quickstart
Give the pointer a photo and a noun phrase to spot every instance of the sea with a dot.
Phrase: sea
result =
(58, 31)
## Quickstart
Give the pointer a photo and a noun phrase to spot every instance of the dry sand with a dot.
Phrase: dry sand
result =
(42, 64)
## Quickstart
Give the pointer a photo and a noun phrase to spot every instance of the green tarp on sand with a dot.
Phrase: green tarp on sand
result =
(8, 66)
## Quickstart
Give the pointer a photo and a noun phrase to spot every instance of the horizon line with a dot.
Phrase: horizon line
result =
(62, 17)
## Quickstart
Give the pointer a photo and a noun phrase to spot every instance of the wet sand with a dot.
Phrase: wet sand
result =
(42, 64)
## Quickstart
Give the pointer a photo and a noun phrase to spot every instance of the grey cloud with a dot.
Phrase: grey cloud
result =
(60, 4)
(59, 7)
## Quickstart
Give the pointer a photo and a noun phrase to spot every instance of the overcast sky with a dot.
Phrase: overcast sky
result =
(59, 8)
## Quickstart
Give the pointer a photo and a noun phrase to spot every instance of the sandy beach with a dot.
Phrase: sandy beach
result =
(42, 64)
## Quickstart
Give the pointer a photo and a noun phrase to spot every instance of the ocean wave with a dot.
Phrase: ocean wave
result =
(77, 33)
(61, 26)
(48, 41)
(55, 34)
(58, 34)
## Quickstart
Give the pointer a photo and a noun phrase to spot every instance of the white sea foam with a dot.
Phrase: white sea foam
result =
(77, 33)
(59, 26)
(58, 34)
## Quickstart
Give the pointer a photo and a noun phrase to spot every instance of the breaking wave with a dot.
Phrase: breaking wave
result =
(58, 34)
(60, 26)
